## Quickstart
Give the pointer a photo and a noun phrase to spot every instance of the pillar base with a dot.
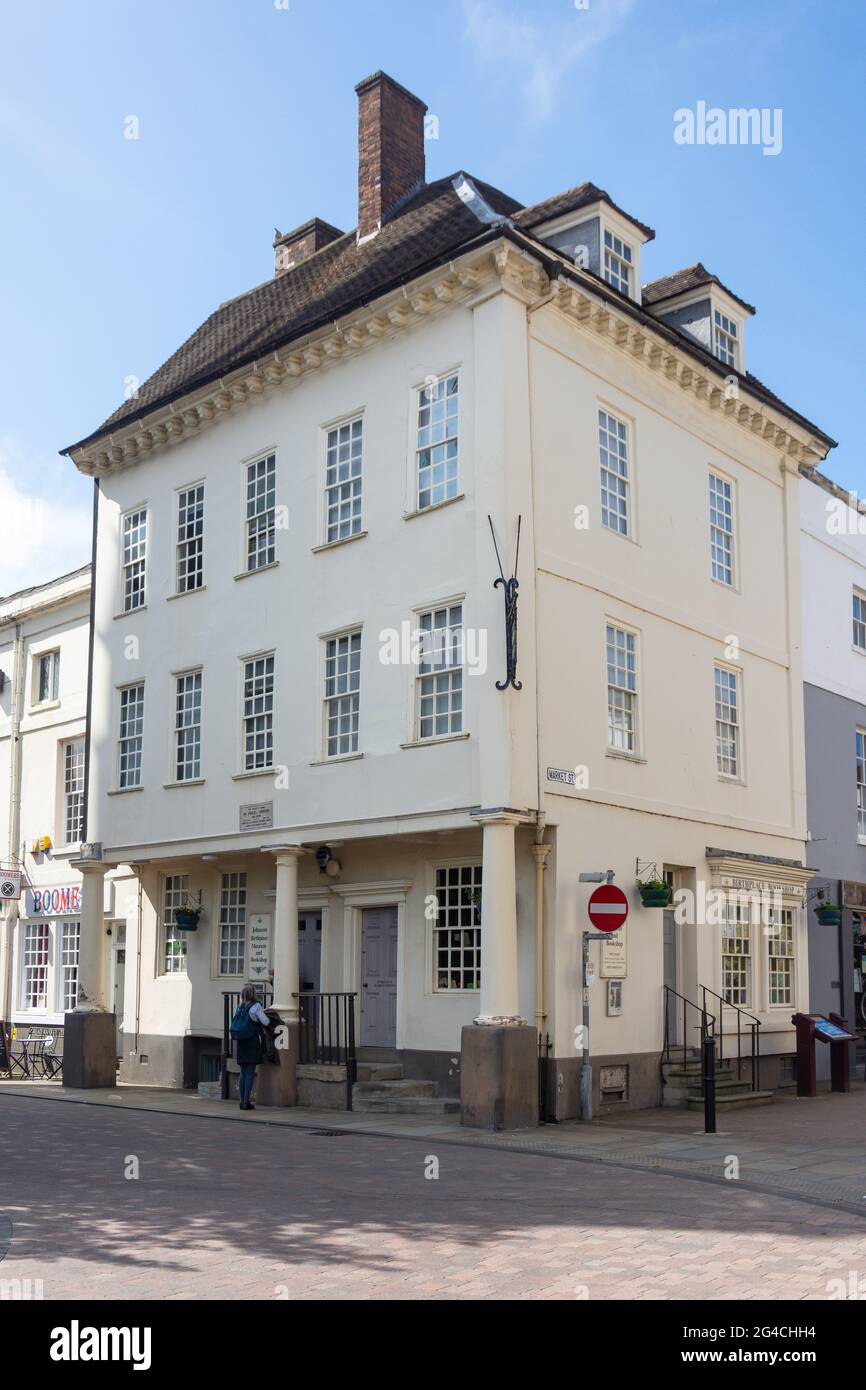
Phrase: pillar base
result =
(89, 1050)
(278, 1085)
(499, 1076)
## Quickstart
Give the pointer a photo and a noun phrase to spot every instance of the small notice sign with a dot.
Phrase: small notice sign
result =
(614, 959)
(259, 946)
(257, 815)
(565, 775)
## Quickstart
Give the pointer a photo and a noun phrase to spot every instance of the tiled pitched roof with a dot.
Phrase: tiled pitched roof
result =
(339, 277)
(583, 196)
(682, 280)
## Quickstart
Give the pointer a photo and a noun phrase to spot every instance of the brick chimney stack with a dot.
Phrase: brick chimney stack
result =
(390, 149)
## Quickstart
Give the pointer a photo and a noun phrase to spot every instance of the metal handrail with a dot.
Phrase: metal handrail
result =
(327, 1032)
(754, 1029)
(707, 1026)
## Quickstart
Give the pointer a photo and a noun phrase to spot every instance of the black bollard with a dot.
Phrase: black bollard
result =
(708, 1063)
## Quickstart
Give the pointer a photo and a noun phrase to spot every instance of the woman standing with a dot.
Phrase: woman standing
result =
(245, 1028)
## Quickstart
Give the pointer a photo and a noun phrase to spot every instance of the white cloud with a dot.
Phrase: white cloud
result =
(45, 519)
(544, 53)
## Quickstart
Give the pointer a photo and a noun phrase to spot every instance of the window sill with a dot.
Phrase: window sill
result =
(123, 791)
(623, 755)
(722, 584)
(255, 772)
(338, 758)
(432, 742)
(131, 612)
(67, 851)
(185, 593)
(434, 507)
(731, 781)
(342, 540)
(261, 569)
(44, 706)
(189, 782)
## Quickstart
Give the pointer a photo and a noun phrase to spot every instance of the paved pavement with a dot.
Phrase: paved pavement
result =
(256, 1210)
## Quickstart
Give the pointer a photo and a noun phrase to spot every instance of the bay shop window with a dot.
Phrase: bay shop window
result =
(758, 954)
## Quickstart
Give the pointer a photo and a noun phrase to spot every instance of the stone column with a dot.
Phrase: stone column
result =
(277, 1085)
(89, 1032)
(499, 1067)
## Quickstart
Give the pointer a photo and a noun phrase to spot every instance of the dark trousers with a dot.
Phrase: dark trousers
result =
(246, 1081)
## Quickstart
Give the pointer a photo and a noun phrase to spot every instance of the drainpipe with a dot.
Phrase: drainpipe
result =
(540, 851)
(14, 912)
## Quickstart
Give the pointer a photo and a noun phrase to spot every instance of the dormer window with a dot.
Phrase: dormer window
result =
(618, 262)
(725, 338)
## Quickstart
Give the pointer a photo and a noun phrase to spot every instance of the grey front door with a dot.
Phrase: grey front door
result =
(379, 977)
(670, 973)
(310, 952)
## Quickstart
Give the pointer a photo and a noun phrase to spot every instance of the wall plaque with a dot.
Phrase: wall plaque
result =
(257, 815)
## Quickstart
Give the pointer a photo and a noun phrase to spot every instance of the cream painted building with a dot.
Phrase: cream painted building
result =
(312, 480)
(43, 703)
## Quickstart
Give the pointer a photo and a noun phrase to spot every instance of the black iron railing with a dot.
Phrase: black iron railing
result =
(704, 1025)
(752, 1028)
(327, 1033)
(231, 999)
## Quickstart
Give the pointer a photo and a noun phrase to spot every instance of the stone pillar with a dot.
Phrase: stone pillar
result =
(277, 1085)
(499, 1068)
(89, 1032)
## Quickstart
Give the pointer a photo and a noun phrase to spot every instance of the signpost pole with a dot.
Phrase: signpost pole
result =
(586, 1065)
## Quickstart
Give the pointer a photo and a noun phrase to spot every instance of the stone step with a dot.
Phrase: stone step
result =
(383, 1104)
(397, 1088)
(734, 1100)
(379, 1071)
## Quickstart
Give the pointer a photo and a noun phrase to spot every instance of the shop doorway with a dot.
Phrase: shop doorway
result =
(310, 952)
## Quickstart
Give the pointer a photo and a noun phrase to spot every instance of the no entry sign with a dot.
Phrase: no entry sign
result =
(608, 908)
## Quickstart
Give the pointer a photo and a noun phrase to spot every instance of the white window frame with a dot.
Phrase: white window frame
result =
(260, 521)
(52, 657)
(253, 695)
(187, 730)
(123, 782)
(860, 773)
(437, 673)
(341, 697)
(172, 943)
(737, 915)
(723, 721)
(36, 936)
(189, 538)
(617, 265)
(343, 492)
(232, 923)
(858, 611)
(472, 870)
(72, 783)
(606, 459)
(718, 532)
(782, 949)
(727, 336)
(68, 948)
(133, 559)
(613, 626)
(424, 443)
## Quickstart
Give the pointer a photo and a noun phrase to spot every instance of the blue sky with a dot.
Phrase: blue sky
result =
(113, 250)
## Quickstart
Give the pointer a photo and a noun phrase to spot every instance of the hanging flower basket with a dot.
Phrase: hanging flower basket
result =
(828, 914)
(655, 893)
(186, 918)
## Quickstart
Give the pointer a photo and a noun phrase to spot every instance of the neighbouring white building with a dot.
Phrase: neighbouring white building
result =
(833, 560)
(43, 704)
(317, 475)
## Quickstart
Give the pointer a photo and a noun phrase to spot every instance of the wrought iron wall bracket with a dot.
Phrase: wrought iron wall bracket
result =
(509, 594)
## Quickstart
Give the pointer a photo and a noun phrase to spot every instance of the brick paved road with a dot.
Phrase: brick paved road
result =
(234, 1210)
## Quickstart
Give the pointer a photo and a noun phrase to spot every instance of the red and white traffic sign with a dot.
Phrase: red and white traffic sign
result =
(608, 907)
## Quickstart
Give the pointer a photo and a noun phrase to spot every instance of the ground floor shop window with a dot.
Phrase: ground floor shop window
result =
(737, 955)
(175, 895)
(37, 939)
(781, 957)
(70, 941)
(457, 928)
(233, 923)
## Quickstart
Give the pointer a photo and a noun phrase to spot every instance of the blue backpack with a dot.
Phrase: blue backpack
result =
(242, 1027)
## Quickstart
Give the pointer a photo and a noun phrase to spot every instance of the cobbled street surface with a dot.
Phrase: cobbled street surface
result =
(234, 1210)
